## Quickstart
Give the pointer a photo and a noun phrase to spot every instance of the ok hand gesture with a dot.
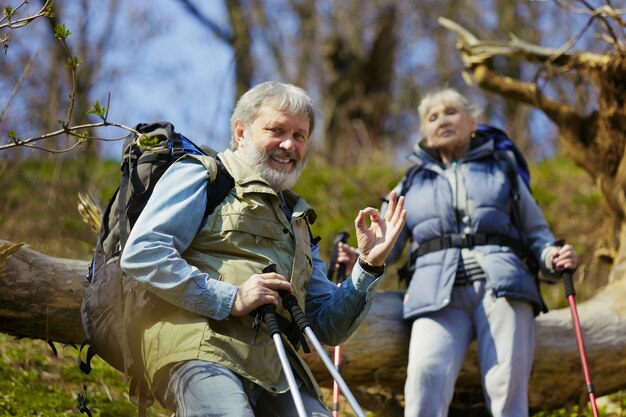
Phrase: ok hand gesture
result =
(376, 241)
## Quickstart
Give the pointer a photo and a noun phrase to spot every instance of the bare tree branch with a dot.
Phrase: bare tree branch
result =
(65, 130)
(218, 31)
(475, 51)
(17, 85)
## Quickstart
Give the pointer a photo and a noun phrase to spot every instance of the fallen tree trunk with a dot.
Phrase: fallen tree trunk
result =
(40, 298)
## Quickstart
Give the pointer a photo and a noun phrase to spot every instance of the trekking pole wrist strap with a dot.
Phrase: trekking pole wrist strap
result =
(372, 269)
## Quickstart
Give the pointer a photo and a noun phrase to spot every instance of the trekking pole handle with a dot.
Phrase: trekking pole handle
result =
(267, 312)
(268, 315)
(291, 305)
(568, 282)
(566, 274)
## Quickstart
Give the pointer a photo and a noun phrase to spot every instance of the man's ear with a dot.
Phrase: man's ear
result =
(239, 130)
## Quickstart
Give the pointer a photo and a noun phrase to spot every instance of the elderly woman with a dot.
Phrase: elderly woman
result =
(470, 278)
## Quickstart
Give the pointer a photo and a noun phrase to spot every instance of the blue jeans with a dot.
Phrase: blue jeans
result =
(505, 333)
(204, 389)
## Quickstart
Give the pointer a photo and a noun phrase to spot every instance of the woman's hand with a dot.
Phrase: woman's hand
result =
(346, 256)
(564, 257)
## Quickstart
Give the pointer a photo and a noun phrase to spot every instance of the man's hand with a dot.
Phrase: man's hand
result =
(376, 242)
(258, 290)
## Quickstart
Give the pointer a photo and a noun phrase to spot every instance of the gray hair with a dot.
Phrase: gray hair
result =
(447, 96)
(280, 96)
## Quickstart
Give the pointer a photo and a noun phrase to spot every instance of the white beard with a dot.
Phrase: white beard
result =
(258, 158)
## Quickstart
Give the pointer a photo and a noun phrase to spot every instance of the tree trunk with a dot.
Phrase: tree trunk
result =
(40, 298)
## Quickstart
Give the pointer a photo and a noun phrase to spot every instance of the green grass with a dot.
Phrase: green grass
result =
(33, 382)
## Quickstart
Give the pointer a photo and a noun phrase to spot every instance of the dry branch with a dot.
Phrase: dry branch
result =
(475, 51)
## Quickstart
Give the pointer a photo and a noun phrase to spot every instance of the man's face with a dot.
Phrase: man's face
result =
(276, 145)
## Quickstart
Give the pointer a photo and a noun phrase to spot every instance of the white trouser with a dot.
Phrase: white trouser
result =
(505, 333)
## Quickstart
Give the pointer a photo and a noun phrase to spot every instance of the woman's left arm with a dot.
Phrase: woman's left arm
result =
(538, 235)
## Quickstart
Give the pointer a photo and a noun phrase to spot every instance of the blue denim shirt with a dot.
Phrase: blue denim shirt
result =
(169, 223)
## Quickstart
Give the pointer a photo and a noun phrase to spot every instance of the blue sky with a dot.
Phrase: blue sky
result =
(184, 75)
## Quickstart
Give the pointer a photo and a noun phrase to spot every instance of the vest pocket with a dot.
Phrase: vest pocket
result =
(259, 228)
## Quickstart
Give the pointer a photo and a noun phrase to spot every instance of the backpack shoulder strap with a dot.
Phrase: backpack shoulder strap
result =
(221, 182)
(219, 188)
(509, 165)
(408, 179)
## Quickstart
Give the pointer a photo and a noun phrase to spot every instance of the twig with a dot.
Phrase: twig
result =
(17, 84)
(65, 130)
(14, 24)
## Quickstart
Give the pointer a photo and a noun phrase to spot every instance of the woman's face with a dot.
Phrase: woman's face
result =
(448, 127)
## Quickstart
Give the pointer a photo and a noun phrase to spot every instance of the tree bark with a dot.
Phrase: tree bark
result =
(40, 298)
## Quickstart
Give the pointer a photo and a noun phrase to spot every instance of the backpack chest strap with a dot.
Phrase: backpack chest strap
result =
(469, 241)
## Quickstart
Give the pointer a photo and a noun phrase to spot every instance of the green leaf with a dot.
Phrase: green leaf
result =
(9, 12)
(12, 135)
(50, 11)
(98, 109)
(61, 32)
(73, 62)
(148, 141)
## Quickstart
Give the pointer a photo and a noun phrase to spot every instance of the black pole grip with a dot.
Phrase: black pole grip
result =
(568, 282)
(268, 314)
(297, 315)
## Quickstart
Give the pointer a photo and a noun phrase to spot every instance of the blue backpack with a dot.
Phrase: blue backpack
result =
(502, 142)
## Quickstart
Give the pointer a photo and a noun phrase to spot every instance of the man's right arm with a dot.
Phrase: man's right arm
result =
(163, 231)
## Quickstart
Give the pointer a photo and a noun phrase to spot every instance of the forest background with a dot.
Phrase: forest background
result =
(366, 63)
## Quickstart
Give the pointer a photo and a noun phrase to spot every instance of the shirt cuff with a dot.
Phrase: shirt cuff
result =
(362, 280)
(546, 259)
(219, 299)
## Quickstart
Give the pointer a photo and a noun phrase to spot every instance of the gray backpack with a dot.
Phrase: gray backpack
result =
(115, 308)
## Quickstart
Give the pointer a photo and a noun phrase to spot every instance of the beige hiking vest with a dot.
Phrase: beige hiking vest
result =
(245, 234)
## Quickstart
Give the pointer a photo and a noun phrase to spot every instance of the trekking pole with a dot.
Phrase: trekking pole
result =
(341, 237)
(571, 298)
(297, 315)
(267, 313)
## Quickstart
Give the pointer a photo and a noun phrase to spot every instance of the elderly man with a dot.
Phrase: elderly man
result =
(204, 356)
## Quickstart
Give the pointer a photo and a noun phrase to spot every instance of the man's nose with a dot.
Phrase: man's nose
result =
(288, 143)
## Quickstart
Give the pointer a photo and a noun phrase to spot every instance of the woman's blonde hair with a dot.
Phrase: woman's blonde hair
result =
(447, 96)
